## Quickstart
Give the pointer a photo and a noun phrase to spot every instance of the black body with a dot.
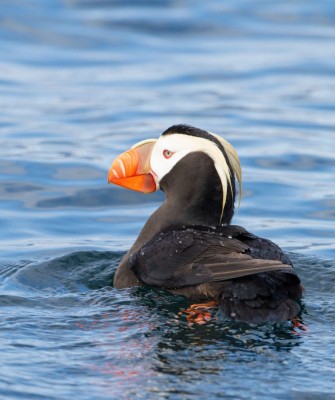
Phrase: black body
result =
(187, 249)
(250, 277)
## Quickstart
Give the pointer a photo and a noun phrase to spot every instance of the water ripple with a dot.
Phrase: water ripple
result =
(83, 80)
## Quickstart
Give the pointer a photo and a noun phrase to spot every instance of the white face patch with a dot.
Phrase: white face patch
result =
(178, 145)
(181, 145)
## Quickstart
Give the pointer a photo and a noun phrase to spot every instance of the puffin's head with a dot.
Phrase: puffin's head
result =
(144, 166)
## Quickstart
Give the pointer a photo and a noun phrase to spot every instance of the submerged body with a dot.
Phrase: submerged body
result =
(187, 245)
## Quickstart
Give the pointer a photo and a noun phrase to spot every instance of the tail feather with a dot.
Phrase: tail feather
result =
(266, 297)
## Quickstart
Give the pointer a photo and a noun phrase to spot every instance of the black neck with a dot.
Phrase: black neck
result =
(193, 191)
(193, 196)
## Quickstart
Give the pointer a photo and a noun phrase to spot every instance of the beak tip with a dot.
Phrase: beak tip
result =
(131, 170)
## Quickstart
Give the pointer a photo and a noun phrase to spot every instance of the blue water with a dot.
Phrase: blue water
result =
(81, 81)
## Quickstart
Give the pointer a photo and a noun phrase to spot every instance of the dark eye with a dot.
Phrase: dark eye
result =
(168, 153)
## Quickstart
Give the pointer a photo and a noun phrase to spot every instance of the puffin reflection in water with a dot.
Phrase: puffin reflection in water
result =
(188, 246)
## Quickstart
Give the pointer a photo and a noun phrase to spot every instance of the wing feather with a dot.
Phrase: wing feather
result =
(181, 258)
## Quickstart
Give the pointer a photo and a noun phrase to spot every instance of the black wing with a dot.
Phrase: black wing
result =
(193, 256)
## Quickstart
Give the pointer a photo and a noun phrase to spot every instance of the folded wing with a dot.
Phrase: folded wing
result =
(191, 256)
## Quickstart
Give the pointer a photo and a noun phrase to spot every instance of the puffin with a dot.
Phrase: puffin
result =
(188, 246)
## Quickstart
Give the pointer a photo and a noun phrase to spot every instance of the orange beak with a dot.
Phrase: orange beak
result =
(131, 169)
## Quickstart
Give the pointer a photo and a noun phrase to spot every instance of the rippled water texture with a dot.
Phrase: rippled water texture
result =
(81, 81)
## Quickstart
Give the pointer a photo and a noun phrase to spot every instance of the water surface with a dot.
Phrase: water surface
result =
(81, 81)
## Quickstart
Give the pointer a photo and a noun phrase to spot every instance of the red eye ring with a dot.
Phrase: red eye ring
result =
(168, 153)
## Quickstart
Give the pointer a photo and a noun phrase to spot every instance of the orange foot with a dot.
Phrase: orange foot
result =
(198, 313)
(298, 326)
